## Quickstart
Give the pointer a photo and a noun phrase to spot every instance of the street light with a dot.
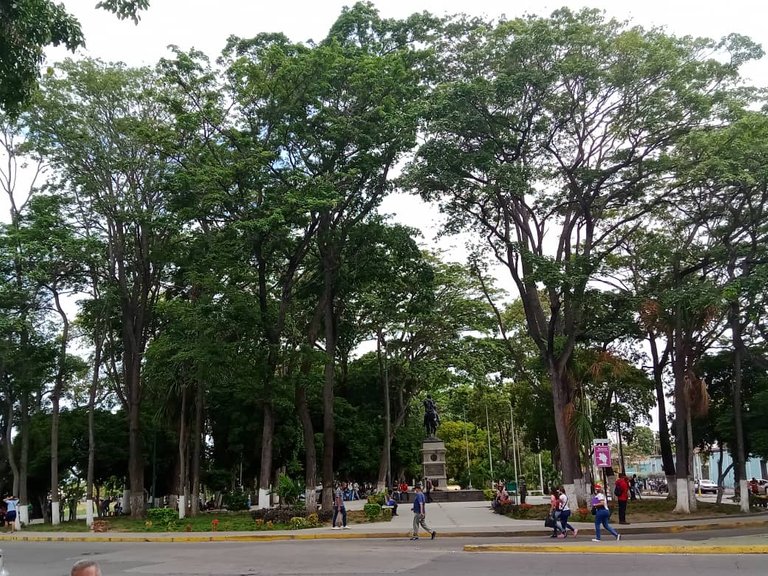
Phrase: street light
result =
(466, 443)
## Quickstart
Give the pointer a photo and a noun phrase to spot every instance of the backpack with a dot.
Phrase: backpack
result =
(617, 491)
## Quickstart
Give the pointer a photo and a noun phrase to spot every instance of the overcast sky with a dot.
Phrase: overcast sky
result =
(205, 24)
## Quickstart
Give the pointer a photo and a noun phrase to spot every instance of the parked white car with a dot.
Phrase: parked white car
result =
(762, 486)
(705, 486)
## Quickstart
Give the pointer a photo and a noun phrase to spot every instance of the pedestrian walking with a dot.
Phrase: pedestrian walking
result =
(554, 512)
(420, 514)
(622, 495)
(339, 507)
(85, 568)
(602, 513)
(565, 513)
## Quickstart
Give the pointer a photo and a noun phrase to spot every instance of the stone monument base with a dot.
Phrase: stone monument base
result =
(433, 462)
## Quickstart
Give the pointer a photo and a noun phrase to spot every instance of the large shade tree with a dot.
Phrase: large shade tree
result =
(545, 136)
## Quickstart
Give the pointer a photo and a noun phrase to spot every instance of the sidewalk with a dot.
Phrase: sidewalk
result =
(457, 520)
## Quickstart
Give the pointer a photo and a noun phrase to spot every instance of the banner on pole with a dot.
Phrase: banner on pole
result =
(602, 455)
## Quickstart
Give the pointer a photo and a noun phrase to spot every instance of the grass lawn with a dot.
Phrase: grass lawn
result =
(228, 522)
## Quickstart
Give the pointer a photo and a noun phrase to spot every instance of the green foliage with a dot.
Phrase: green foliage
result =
(379, 498)
(288, 490)
(28, 26)
(167, 517)
(235, 500)
(372, 511)
(280, 515)
(300, 522)
(125, 8)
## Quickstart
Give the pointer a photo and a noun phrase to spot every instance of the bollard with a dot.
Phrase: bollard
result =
(3, 571)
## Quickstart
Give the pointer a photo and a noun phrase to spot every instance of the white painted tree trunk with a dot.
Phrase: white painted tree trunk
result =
(694, 504)
(744, 495)
(55, 513)
(263, 498)
(182, 506)
(310, 500)
(683, 501)
(672, 487)
(579, 496)
(22, 516)
(89, 512)
(126, 501)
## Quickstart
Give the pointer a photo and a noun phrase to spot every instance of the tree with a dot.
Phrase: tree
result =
(26, 28)
(559, 124)
(107, 133)
(723, 172)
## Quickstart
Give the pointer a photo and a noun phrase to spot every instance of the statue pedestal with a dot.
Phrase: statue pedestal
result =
(433, 462)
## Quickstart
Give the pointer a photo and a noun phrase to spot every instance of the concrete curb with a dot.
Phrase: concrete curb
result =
(611, 548)
(355, 535)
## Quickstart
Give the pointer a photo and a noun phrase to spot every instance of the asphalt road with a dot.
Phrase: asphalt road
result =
(441, 557)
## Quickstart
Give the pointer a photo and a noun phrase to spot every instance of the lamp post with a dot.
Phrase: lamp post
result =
(514, 444)
(618, 433)
(490, 456)
(466, 443)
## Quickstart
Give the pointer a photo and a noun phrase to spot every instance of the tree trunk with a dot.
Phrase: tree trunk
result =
(183, 454)
(384, 480)
(8, 441)
(267, 436)
(135, 453)
(665, 442)
(196, 447)
(328, 257)
(24, 459)
(692, 502)
(573, 481)
(740, 456)
(98, 342)
(310, 452)
(681, 434)
(58, 387)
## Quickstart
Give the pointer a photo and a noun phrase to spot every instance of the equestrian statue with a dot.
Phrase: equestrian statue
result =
(431, 417)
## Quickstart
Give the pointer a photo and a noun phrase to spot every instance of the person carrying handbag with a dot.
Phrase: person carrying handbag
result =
(554, 513)
(565, 513)
(602, 513)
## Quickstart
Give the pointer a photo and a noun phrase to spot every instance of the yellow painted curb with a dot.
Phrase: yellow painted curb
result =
(611, 548)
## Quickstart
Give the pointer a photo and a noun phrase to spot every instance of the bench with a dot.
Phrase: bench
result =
(759, 500)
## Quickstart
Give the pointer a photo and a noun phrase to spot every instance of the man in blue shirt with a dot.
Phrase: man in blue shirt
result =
(420, 514)
(11, 503)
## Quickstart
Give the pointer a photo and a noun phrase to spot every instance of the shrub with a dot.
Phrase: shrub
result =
(522, 510)
(162, 516)
(298, 522)
(386, 514)
(278, 515)
(489, 494)
(372, 511)
(379, 498)
(235, 500)
(288, 490)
